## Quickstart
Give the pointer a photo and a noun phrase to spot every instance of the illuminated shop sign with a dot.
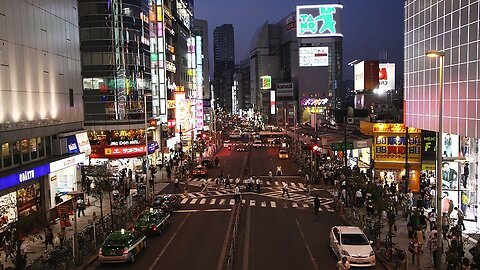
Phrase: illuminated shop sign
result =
(24, 176)
(126, 151)
(272, 102)
(170, 66)
(266, 82)
(66, 162)
(171, 123)
(314, 102)
(313, 56)
(319, 20)
(170, 104)
(366, 75)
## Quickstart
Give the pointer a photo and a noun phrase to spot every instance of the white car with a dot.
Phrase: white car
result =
(351, 242)
(257, 143)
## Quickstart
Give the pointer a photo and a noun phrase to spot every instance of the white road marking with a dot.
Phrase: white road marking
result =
(252, 203)
(184, 200)
(213, 201)
(232, 202)
(273, 204)
(276, 183)
(202, 201)
(294, 205)
(193, 201)
(269, 183)
(264, 204)
(222, 201)
(293, 184)
(243, 201)
(206, 210)
(301, 185)
(305, 205)
(328, 208)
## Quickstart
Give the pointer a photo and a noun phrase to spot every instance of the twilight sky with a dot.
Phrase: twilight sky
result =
(369, 26)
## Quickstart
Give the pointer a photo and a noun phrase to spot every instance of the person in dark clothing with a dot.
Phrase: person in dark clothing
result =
(316, 203)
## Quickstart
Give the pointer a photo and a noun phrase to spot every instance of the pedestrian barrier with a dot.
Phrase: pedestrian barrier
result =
(233, 239)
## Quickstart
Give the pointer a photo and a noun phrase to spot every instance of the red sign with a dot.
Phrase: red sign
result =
(171, 123)
(121, 151)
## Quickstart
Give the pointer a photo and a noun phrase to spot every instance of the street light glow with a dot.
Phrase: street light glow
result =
(434, 54)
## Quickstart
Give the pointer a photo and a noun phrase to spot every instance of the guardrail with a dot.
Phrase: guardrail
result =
(233, 240)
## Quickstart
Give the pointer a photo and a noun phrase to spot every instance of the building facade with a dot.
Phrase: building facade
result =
(451, 27)
(41, 120)
(223, 65)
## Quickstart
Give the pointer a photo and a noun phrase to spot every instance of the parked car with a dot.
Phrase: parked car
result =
(152, 221)
(166, 202)
(200, 171)
(122, 246)
(351, 242)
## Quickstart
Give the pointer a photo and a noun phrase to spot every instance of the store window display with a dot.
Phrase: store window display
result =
(449, 175)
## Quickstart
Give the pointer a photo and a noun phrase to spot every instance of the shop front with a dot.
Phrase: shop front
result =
(391, 157)
(358, 153)
(21, 197)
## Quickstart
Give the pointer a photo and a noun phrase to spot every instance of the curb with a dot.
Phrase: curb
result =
(377, 254)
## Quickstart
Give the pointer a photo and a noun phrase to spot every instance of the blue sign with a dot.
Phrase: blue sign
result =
(72, 145)
(152, 147)
(24, 176)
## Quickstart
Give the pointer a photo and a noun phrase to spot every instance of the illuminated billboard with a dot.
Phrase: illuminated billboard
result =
(272, 102)
(386, 78)
(366, 75)
(266, 82)
(313, 56)
(319, 21)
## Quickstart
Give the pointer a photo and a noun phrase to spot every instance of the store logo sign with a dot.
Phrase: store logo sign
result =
(319, 20)
(26, 175)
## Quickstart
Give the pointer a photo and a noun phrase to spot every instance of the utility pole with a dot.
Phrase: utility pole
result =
(181, 153)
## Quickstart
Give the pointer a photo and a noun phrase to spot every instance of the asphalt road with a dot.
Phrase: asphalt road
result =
(275, 232)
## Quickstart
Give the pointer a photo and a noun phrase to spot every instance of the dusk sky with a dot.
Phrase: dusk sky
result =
(369, 26)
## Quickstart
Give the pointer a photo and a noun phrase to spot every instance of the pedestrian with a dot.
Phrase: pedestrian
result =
(80, 206)
(460, 218)
(432, 218)
(359, 197)
(257, 182)
(413, 248)
(270, 176)
(285, 190)
(62, 235)
(316, 203)
(217, 162)
(48, 238)
(176, 185)
(433, 247)
(228, 182)
(237, 193)
(343, 264)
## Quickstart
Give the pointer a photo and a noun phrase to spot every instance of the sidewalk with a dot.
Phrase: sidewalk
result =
(36, 247)
(401, 241)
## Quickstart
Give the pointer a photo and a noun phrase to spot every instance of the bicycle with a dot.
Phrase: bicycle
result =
(394, 255)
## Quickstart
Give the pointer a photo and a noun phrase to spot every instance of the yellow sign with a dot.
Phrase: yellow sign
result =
(170, 104)
(393, 128)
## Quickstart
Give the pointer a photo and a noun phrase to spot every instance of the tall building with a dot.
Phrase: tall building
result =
(451, 27)
(223, 65)
(201, 26)
(292, 73)
(41, 117)
(116, 71)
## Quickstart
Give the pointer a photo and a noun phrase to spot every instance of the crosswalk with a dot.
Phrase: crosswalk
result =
(254, 203)
(292, 185)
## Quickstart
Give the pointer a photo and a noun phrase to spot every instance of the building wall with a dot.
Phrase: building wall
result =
(202, 27)
(39, 64)
(451, 27)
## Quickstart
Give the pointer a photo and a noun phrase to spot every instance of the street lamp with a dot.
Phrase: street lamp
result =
(74, 195)
(441, 56)
(147, 183)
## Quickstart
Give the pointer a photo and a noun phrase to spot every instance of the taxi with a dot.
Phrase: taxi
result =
(283, 154)
(166, 202)
(122, 246)
(152, 221)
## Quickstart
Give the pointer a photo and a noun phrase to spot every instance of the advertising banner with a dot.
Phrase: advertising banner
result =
(313, 56)
(429, 141)
(63, 211)
(319, 21)
(366, 75)
(386, 77)
(284, 89)
(266, 82)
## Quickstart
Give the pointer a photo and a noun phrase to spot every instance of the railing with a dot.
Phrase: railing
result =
(233, 240)
(89, 240)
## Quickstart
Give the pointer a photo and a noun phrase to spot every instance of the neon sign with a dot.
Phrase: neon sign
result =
(319, 20)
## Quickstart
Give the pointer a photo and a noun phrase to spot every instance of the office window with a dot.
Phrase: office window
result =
(70, 95)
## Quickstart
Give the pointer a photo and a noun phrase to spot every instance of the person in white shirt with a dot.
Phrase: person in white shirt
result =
(258, 185)
(285, 190)
(237, 193)
(359, 197)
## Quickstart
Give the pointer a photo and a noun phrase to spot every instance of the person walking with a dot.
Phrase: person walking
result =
(343, 264)
(316, 204)
(257, 182)
(359, 197)
(414, 250)
(237, 193)
(433, 247)
(285, 189)
(217, 162)
(80, 206)
(176, 185)
(48, 238)
(460, 218)
(62, 235)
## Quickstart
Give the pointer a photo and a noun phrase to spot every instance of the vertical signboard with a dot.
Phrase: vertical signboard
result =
(272, 102)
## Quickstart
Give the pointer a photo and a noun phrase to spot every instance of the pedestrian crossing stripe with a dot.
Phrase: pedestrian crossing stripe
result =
(273, 204)
(232, 202)
(252, 203)
(264, 204)
(213, 201)
(222, 201)
(184, 201)
(202, 201)
(269, 183)
(293, 185)
(294, 205)
(193, 201)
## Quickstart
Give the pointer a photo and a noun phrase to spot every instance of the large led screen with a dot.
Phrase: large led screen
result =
(313, 56)
(319, 21)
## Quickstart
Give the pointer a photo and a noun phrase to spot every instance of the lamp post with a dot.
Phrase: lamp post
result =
(147, 183)
(441, 56)
(74, 195)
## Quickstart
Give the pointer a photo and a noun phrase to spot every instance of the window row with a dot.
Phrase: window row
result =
(24, 151)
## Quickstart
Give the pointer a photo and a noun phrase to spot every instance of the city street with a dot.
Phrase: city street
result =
(275, 232)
